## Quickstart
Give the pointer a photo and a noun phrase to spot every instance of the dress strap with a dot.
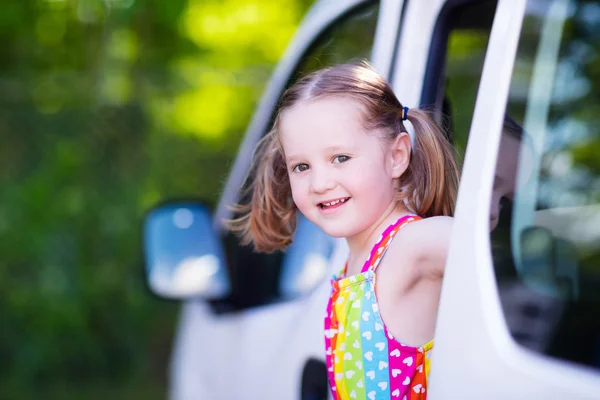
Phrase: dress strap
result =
(384, 241)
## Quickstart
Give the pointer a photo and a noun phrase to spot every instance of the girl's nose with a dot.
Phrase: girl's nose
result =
(322, 182)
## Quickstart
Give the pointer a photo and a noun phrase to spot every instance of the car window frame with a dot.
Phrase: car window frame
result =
(469, 291)
(433, 85)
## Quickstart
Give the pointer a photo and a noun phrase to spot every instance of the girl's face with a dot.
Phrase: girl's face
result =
(342, 177)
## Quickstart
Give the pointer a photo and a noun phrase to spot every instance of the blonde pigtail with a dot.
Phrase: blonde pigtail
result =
(268, 221)
(430, 183)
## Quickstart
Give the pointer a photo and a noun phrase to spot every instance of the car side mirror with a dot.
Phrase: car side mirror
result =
(306, 261)
(183, 254)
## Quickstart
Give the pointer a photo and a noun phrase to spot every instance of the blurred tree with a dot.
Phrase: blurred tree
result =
(107, 107)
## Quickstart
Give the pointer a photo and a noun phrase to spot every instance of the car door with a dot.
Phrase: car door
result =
(266, 337)
(518, 314)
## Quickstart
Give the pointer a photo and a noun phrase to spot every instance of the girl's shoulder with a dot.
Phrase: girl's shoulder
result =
(427, 226)
(424, 231)
(424, 244)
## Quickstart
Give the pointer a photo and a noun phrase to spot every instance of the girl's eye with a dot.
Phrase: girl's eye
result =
(340, 159)
(300, 168)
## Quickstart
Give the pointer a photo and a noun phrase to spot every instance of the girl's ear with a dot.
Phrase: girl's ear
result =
(401, 149)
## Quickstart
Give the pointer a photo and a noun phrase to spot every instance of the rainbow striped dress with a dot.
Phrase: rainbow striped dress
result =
(364, 360)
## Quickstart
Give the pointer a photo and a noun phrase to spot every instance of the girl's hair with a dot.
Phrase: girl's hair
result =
(427, 187)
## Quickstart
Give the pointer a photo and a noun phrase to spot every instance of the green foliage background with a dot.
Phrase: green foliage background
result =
(108, 107)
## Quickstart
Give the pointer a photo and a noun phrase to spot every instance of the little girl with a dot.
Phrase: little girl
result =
(340, 154)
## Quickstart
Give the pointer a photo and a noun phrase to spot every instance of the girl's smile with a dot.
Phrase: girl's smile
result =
(331, 205)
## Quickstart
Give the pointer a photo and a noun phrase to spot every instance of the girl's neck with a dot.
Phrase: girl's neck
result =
(360, 245)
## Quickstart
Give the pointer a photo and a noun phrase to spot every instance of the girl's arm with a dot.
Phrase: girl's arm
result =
(428, 241)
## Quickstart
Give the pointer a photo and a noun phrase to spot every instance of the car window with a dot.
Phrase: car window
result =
(545, 210)
(349, 38)
(259, 278)
(455, 65)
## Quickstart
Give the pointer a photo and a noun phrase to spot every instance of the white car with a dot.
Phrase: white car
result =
(519, 314)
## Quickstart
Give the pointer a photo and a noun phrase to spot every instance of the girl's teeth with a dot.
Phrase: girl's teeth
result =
(333, 203)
